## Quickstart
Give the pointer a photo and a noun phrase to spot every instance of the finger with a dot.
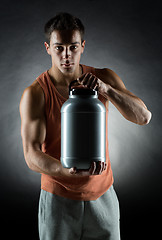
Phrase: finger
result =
(92, 168)
(94, 83)
(96, 88)
(82, 77)
(102, 165)
(98, 168)
(90, 81)
(85, 78)
(105, 165)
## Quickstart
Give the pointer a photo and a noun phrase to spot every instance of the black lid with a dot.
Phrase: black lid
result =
(83, 91)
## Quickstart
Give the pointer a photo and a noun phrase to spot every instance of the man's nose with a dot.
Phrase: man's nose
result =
(66, 52)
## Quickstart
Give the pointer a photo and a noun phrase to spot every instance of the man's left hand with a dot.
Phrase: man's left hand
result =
(91, 81)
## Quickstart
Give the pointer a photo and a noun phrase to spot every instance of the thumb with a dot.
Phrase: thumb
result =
(92, 168)
(73, 170)
(79, 79)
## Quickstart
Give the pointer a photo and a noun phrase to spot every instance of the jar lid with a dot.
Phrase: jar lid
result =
(83, 91)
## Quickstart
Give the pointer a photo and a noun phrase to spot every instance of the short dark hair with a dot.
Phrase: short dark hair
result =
(63, 21)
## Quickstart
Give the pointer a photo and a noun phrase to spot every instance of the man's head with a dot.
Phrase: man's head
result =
(64, 41)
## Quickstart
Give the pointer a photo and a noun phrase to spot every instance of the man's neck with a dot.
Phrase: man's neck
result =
(60, 79)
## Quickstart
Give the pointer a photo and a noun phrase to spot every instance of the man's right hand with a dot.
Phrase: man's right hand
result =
(95, 169)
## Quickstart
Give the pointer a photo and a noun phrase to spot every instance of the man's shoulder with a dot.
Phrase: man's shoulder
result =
(102, 70)
(99, 70)
(35, 85)
(35, 91)
(102, 73)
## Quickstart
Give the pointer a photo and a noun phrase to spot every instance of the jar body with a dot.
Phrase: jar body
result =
(83, 132)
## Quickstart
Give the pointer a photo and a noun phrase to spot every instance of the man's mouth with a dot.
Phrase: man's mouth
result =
(67, 65)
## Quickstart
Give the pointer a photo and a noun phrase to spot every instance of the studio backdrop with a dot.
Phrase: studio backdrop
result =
(124, 36)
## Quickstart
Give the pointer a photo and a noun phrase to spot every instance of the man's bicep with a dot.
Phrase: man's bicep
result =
(33, 124)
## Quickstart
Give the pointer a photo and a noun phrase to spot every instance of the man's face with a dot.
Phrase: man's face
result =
(65, 48)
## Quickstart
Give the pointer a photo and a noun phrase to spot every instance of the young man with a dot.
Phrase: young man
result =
(74, 204)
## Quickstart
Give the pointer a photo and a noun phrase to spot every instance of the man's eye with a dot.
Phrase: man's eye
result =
(58, 48)
(74, 47)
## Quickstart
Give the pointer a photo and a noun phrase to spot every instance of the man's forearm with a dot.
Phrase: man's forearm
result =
(130, 107)
(43, 163)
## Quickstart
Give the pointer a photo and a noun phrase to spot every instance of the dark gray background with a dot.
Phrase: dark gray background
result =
(124, 36)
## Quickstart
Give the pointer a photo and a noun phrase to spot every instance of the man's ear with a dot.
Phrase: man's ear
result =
(47, 48)
(83, 45)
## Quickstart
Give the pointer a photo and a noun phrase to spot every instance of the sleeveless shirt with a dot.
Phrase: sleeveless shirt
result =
(85, 188)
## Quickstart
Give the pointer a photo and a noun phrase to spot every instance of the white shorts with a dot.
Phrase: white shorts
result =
(65, 219)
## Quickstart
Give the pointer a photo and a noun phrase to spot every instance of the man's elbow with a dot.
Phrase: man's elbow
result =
(147, 118)
(28, 161)
(28, 156)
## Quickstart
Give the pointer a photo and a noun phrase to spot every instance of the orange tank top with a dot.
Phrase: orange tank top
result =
(83, 188)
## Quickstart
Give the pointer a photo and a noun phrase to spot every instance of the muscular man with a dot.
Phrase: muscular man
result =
(74, 204)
